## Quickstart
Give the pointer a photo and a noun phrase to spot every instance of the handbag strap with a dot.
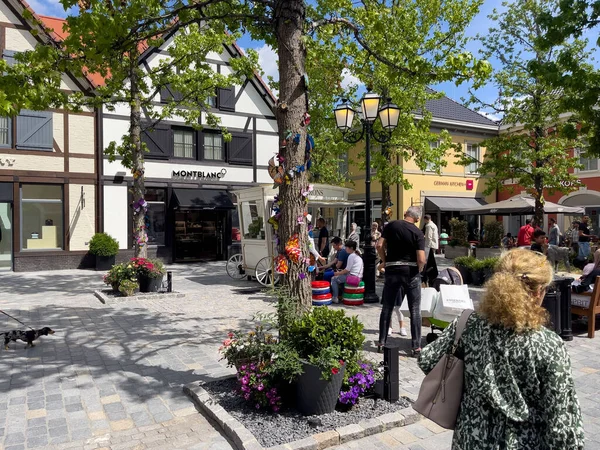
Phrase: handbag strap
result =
(460, 327)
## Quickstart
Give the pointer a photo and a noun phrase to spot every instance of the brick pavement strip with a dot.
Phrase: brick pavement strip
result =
(139, 353)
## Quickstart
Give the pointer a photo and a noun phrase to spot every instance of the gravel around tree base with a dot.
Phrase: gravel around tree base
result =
(288, 425)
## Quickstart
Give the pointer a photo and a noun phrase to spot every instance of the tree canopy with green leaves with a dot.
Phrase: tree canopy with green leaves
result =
(569, 21)
(404, 45)
(532, 151)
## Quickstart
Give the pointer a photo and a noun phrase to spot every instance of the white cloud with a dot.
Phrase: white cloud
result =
(48, 8)
(267, 59)
(491, 116)
(349, 80)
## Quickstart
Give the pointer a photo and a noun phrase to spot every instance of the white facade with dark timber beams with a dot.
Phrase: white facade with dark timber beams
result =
(189, 173)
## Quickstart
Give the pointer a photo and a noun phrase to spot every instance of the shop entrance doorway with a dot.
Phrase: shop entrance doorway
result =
(6, 236)
(199, 235)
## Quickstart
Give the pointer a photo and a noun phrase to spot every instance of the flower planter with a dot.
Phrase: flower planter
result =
(465, 273)
(104, 262)
(455, 252)
(482, 253)
(148, 284)
(315, 396)
(487, 274)
(477, 277)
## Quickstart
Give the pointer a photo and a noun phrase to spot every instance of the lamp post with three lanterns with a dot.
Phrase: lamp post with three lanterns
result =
(388, 114)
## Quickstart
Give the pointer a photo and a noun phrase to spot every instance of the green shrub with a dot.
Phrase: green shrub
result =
(326, 334)
(459, 232)
(490, 263)
(493, 232)
(464, 261)
(128, 287)
(103, 244)
(119, 273)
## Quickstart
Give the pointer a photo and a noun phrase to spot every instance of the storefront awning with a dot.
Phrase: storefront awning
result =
(452, 203)
(202, 199)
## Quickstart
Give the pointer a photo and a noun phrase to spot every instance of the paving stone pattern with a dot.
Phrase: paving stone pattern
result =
(111, 376)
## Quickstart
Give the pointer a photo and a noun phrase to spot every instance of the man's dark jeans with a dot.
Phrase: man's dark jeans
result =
(401, 281)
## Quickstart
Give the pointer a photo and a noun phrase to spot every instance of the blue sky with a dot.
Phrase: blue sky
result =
(268, 60)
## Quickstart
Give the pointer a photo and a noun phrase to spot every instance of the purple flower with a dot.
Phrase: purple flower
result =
(275, 408)
(243, 367)
(257, 406)
(245, 379)
(247, 396)
(260, 387)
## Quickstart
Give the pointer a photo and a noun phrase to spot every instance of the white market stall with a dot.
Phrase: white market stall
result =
(258, 242)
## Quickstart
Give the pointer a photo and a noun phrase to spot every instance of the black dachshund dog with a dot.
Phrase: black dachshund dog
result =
(26, 336)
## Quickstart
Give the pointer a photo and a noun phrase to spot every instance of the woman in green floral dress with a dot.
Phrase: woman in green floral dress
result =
(518, 391)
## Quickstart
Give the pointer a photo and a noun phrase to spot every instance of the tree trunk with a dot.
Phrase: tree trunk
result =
(539, 195)
(137, 168)
(289, 22)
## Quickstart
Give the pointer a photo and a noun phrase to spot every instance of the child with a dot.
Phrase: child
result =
(539, 241)
(443, 241)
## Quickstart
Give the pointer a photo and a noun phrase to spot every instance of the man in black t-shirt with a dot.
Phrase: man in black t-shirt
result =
(584, 239)
(323, 242)
(402, 251)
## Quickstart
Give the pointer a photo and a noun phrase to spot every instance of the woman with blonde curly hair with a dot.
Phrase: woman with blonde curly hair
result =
(518, 390)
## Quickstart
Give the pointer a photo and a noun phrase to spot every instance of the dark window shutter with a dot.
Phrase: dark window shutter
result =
(159, 141)
(227, 99)
(240, 149)
(9, 57)
(167, 93)
(34, 130)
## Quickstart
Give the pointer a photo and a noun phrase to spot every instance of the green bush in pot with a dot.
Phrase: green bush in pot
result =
(105, 248)
(493, 232)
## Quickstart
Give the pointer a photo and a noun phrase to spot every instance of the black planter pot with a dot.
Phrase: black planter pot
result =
(148, 284)
(465, 273)
(104, 262)
(487, 274)
(315, 396)
(287, 392)
(477, 277)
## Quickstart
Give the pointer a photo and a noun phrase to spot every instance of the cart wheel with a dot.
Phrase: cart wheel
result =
(235, 267)
(264, 272)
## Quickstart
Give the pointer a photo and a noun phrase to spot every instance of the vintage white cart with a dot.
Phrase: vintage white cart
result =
(257, 236)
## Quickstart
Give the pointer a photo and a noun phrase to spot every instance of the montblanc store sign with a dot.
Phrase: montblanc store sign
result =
(199, 175)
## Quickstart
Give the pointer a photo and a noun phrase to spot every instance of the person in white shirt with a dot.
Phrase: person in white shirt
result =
(354, 266)
(431, 236)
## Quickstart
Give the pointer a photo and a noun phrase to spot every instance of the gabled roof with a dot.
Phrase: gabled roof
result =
(447, 109)
(48, 34)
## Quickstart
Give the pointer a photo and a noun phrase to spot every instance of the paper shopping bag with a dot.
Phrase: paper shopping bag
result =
(452, 301)
(429, 299)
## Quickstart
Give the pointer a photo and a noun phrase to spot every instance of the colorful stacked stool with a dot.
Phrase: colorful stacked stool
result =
(321, 293)
(353, 295)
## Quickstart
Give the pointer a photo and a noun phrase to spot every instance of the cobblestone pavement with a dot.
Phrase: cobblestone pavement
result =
(111, 376)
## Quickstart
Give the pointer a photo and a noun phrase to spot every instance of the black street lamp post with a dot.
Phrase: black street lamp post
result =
(389, 115)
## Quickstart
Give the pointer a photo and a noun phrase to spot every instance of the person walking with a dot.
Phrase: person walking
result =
(431, 236)
(354, 267)
(553, 233)
(584, 238)
(402, 252)
(525, 234)
(443, 241)
(575, 237)
(354, 236)
(519, 392)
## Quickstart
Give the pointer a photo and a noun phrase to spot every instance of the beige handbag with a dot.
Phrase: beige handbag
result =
(441, 391)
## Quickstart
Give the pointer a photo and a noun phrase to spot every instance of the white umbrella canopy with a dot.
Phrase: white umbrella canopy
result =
(521, 205)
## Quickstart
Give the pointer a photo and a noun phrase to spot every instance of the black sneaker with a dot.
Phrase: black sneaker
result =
(416, 352)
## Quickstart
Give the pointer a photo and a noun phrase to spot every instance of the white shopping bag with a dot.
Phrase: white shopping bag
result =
(429, 299)
(452, 301)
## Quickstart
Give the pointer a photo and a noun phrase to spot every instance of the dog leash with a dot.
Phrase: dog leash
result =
(6, 314)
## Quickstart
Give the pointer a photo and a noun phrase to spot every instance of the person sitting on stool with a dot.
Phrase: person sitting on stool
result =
(354, 266)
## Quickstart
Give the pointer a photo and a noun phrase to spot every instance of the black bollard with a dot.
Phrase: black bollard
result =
(391, 374)
(169, 281)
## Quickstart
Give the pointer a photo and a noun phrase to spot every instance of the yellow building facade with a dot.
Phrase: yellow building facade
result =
(442, 195)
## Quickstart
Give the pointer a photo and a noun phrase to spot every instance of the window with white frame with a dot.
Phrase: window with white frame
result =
(213, 147)
(431, 166)
(588, 162)
(473, 153)
(5, 132)
(183, 143)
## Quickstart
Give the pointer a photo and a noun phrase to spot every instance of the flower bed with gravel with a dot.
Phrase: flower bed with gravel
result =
(288, 425)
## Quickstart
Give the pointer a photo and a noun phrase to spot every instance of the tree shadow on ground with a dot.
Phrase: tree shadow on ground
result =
(147, 354)
(71, 283)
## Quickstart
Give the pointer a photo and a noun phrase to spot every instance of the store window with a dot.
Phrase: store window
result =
(588, 163)
(473, 154)
(41, 217)
(183, 144)
(252, 220)
(156, 216)
(213, 147)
